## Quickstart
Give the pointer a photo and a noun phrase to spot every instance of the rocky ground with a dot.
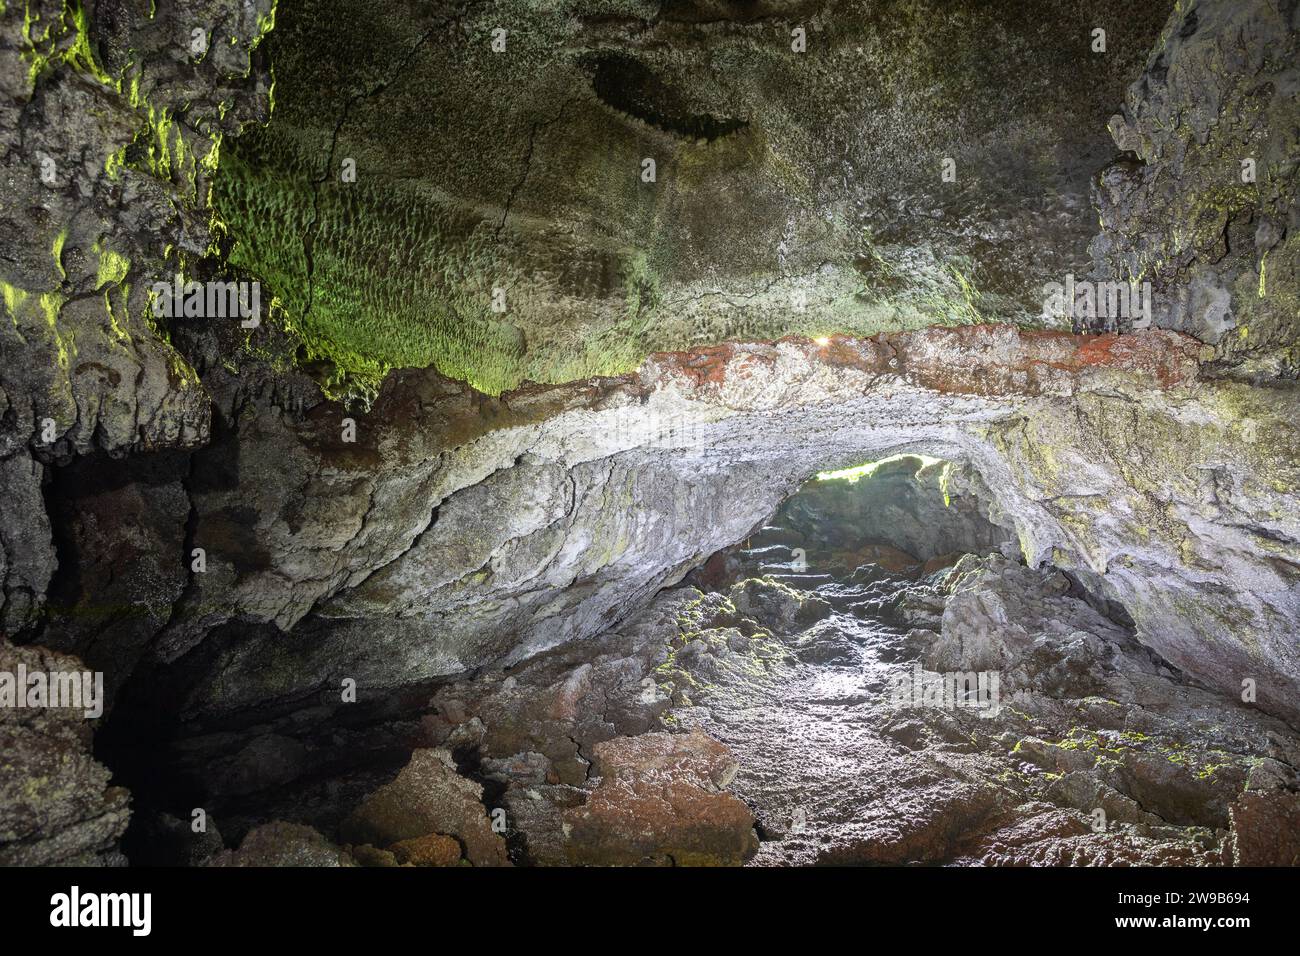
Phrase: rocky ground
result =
(758, 721)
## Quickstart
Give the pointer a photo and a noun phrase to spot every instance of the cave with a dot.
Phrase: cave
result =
(857, 433)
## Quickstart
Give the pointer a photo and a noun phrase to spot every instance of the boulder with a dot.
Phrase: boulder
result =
(660, 802)
(284, 844)
(432, 849)
(428, 797)
(56, 805)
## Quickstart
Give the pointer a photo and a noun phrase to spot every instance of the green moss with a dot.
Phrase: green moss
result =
(28, 309)
(113, 267)
(63, 40)
(57, 251)
(858, 472)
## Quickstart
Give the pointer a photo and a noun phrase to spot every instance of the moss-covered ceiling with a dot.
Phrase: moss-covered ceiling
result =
(500, 225)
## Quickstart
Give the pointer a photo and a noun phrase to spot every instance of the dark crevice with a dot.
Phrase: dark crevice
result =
(469, 764)
(625, 84)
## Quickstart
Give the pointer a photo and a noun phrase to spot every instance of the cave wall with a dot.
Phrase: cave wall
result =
(463, 528)
(110, 131)
(1202, 201)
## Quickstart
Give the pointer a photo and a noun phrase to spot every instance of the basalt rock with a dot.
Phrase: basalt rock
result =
(56, 804)
(536, 518)
(916, 162)
(428, 797)
(283, 844)
(1203, 203)
(1264, 828)
(659, 800)
(921, 511)
(110, 131)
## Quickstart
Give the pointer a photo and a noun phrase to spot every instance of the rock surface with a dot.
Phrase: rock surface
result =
(1097, 753)
(56, 805)
(581, 501)
(794, 191)
(185, 508)
(659, 800)
(1203, 203)
(283, 844)
(110, 131)
(428, 798)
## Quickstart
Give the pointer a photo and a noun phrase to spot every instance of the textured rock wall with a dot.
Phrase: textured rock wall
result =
(1203, 203)
(56, 807)
(794, 192)
(487, 529)
(110, 131)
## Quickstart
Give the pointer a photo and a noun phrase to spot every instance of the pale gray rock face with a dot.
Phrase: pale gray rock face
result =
(536, 533)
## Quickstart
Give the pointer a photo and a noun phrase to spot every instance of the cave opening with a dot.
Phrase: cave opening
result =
(908, 515)
(874, 673)
(803, 633)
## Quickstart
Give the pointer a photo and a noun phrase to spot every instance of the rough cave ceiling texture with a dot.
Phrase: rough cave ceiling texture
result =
(794, 192)
(461, 528)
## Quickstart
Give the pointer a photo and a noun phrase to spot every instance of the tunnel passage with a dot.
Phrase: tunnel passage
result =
(773, 663)
(908, 514)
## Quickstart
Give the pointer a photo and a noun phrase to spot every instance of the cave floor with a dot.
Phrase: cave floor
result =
(809, 726)
(838, 771)
(1096, 753)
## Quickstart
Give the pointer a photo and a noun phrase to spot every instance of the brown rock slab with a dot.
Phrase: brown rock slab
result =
(432, 849)
(428, 797)
(1266, 829)
(660, 802)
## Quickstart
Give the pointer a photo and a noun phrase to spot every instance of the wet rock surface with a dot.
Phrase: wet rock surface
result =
(788, 708)
(242, 714)
(564, 507)
(465, 531)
